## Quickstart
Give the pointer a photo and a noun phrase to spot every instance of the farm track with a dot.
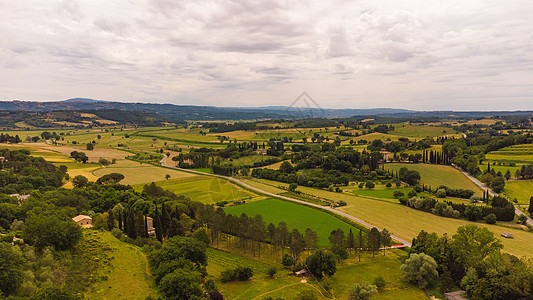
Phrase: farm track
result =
(245, 185)
(492, 193)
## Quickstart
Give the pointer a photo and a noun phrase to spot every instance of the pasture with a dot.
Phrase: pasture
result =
(522, 190)
(516, 153)
(421, 132)
(436, 175)
(287, 286)
(406, 222)
(295, 215)
(137, 173)
(205, 189)
(377, 136)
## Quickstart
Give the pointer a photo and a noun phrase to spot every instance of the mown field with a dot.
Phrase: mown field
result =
(516, 153)
(421, 132)
(406, 222)
(288, 286)
(436, 175)
(205, 189)
(295, 215)
(521, 190)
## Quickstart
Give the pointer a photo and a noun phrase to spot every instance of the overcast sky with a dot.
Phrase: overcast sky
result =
(425, 55)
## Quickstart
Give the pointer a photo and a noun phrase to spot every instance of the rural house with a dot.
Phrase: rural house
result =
(83, 220)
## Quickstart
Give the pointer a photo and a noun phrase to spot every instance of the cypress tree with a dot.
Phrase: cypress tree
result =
(119, 220)
(145, 226)
(158, 226)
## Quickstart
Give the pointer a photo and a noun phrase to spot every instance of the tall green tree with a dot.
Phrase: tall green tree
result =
(420, 269)
(47, 227)
(374, 240)
(311, 239)
(385, 239)
(11, 269)
(321, 263)
(337, 239)
(350, 241)
(472, 244)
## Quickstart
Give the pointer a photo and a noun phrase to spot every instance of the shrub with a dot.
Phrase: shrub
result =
(380, 282)
(287, 260)
(491, 219)
(272, 271)
(362, 291)
(117, 233)
(240, 273)
(306, 295)
(441, 193)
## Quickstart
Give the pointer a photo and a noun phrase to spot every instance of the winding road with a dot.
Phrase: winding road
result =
(491, 192)
(245, 185)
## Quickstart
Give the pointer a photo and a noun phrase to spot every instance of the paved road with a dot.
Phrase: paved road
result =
(237, 181)
(491, 192)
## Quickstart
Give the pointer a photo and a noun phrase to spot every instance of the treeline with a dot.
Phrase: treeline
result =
(22, 173)
(6, 138)
(500, 209)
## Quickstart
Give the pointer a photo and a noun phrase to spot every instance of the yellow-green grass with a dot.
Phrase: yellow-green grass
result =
(516, 153)
(287, 286)
(522, 190)
(387, 266)
(382, 192)
(206, 189)
(93, 155)
(436, 175)
(183, 134)
(128, 277)
(377, 136)
(137, 173)
(407, 222)
(283, 285)
(250, 160)
(502, 168)
(421, 131)
(296, 216)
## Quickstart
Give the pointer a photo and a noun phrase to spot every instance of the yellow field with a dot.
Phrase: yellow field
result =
(406, 222)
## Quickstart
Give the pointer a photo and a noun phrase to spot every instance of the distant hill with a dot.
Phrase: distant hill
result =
(82, 100)
(191, 112)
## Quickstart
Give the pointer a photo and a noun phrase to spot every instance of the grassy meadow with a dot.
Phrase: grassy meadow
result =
(516, 153)
(406, 222)
(287, 286)
(295, 215)
(421, 132)
(128, 276)
(522, 190)
(205, 189)
(436, 175)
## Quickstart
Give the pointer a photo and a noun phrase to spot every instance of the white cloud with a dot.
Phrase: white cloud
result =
(412, 54)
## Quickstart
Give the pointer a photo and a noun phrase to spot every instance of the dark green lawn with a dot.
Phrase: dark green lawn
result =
(295, 215)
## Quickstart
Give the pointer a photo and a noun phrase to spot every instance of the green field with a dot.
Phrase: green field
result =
(128, 277)
(136, 173)
(516, 153)
(421, 132)
(406, 222)
(287, 286)
(522, 190)
(295, 215)
(382, 192)
(436, 175)
(205, 189)
(250, 160)
(283, 285)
